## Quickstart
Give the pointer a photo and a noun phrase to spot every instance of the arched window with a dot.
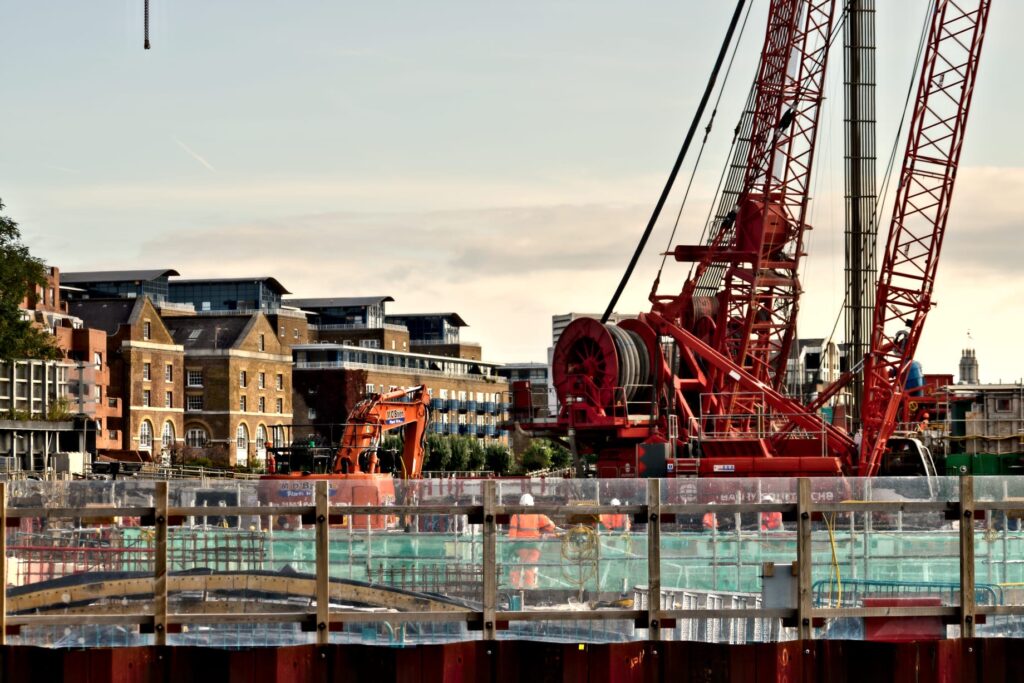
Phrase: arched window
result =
(146, 435)
(167, 438)
(261, 439)
(196, 437)
(278, 436)
(242, 437)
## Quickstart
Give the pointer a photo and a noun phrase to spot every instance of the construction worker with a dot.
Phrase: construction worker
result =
(527, 529)
(615, 521)
(771, 521)
(710, 521)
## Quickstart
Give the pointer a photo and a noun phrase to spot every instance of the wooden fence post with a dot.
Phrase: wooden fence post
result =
(160, 563)
(967, 597)
(653, 558)
(323, 563)
(804, 559)
(490, 561)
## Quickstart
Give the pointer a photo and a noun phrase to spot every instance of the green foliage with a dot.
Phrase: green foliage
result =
(477, 458)
(460, 454)
(561, 457)
(20, 274)
(439, 453)
(58, 410)
(537, 456)
(498, 459)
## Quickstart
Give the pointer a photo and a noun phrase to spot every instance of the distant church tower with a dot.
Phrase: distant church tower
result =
(968, 367)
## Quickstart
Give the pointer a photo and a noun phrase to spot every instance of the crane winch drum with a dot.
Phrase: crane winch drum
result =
(604, 365)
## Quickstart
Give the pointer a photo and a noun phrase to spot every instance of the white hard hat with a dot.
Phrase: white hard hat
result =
(526, 499)
(616, 501)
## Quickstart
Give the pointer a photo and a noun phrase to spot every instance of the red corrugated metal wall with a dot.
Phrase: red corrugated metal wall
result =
(989, 661)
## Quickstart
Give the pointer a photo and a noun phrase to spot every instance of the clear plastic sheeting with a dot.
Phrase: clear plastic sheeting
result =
(570, 562)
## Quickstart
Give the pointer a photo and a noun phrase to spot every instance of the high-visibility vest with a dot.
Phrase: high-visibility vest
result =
(615, 522)
(529, 526)
(710, 521)
(771, 521)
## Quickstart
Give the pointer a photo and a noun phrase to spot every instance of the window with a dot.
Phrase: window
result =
(168, 373)
(146, 371)
(282, 331)
(312, 413)
(277, 434)
(145, 435)
(242, 379)
(295, 333)
(370, 388)
(392, 344)
(194, 402)
(261, 439)
(1003, 405)
(261, 380)
(196, 437)
(97, 360)
(262, 404)
(146, 398)
(263, 342)
(168, 399)
(242, 437)
(99, 393)
(167, 439)
(370, 343)
(280, 382)
(194, 378)
(241, 403)
(280, 406)
(147, 330)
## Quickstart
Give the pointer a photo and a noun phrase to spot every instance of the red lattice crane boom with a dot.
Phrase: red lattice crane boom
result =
(907, 275)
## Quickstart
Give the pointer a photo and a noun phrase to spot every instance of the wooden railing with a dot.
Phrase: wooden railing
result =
(654, 513)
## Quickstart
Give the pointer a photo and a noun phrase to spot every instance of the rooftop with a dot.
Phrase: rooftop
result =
(271, 282)
(338, 301)
(83, 277)
(207, 332)
(452, 317)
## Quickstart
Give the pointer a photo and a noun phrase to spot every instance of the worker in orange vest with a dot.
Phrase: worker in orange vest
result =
(710, 521)
(771, 521)
(527, 529)
(615, 521)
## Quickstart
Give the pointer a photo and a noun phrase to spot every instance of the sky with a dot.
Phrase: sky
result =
(496, 159)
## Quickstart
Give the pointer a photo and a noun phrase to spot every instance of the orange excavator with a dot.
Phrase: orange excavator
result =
(358, 472)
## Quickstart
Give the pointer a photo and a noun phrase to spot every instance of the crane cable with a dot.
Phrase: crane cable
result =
(679, 161)
(704, 142)
(145, 24)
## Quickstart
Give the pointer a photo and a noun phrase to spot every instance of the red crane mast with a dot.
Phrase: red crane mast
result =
(907, 275)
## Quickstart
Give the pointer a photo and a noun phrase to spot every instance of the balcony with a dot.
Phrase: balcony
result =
(439, 404)
(490, 430)
(454, 405)
(453, 428)
(505, 406)
(437, 427)
(490, 407)
(338, 327)
(467, 430)
(471, 406)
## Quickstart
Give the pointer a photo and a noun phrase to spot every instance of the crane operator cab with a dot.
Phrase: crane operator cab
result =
(907, 457)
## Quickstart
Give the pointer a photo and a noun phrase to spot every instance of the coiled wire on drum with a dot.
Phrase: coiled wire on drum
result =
(634, 362)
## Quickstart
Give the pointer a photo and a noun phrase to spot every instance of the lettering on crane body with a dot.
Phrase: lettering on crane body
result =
(394, 416)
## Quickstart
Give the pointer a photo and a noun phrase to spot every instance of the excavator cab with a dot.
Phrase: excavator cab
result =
(907, 457)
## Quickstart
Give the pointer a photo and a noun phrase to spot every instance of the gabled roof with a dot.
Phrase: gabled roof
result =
(84, 277)
(103, 314)
(208, 331)
(271, 282)
(453, 318)
(338, 302)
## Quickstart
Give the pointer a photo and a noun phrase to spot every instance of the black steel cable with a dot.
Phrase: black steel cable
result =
(145, 24)
(704, 142)
(679, 160)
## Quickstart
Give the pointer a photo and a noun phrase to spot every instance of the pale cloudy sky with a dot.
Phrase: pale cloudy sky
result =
(498, 159)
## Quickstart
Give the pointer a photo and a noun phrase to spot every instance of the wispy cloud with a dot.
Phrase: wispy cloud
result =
(62, 169)
(195, 155)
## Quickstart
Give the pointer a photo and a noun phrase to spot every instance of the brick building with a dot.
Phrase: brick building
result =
(468, 397)
(355, 321)
(145, 370)
(237, 385)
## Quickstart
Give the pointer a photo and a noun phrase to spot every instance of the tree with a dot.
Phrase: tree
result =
(439, 453)
(477, 458)
(561, 457)
(537, 456)
(498, 459)
(460, 454)
(20, 274)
